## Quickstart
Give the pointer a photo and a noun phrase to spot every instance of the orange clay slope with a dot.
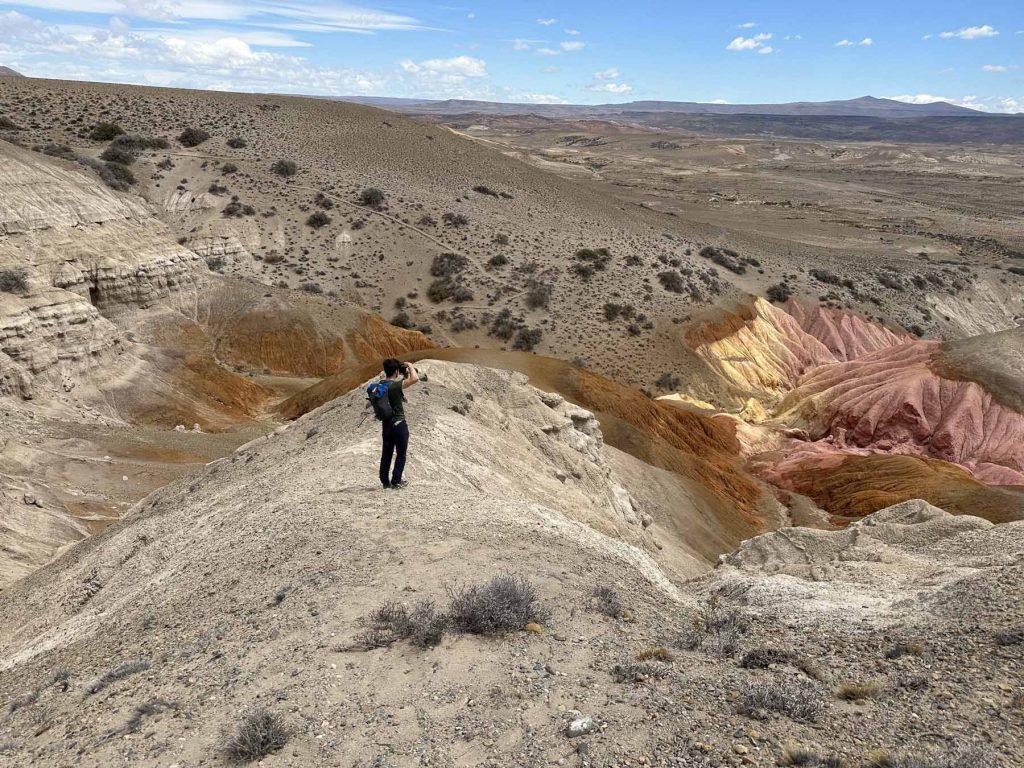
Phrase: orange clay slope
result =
(247, 348)
(702, 450)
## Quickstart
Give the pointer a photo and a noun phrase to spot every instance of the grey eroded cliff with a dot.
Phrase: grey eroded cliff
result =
(85, 254)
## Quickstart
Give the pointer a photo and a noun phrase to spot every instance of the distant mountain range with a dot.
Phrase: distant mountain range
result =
(8, 72)
(866, 106)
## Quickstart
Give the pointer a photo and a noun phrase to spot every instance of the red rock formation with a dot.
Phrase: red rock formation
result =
(891, 401)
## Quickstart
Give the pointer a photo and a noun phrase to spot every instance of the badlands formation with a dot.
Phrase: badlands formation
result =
(245, 586)
(807, 551)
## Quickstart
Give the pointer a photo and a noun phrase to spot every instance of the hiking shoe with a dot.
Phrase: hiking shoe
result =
(386, 486)
(400, 484)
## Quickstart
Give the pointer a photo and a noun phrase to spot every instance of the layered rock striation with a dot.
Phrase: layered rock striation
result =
(81, 254)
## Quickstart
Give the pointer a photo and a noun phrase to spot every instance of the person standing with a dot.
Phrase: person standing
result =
(395, 431)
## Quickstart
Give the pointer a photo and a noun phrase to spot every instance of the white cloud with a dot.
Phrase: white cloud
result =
(572, 45)
(1004, 104)
(867, 41)
(456, 67)
(608, 74)
(572, 31)
(747, 25)
(766, 49)
(547, 22)
(749, 43)
(972, 33)
(610, 87)
(182, 58)
(270, 14)
(548, 51)
(519, 44)
(999, 67)
(793, 37)
(542, 98)
(551, 69)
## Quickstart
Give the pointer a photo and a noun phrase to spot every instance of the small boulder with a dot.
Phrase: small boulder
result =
(581, 726)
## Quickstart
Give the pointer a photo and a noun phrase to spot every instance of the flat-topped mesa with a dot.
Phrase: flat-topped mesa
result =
(84, 254)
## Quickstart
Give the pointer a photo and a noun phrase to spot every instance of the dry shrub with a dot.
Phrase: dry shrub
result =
(259, 733)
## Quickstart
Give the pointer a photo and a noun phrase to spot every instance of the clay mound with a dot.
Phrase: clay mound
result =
(891, 400)
(847, 335)
(297, 334)
(852, 486)
(695, 446)
(761, 350)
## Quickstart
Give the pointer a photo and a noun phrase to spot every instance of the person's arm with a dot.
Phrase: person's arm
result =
(412, 378)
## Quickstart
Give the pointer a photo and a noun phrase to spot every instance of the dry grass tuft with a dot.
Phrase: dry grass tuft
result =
(858, 691)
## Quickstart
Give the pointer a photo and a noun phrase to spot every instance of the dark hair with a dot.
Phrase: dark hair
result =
(392, 366)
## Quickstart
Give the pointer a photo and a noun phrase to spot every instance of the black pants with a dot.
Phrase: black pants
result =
(395, 441)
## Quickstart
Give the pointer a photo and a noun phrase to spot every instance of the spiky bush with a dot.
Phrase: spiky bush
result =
(503, 604)
(13, 281)
(422, 625)
(258, 734)
(717, 627)
(604, 599)
(796, 701)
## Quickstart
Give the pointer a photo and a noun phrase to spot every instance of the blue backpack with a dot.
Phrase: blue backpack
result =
(377, 394)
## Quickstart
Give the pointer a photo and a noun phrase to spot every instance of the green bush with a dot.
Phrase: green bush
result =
(527, 338)
(284, 168)
(456, 220)
(537, 294)
(371, 197)
(448, 264)
(115, 154)
(105, 131)
(134, 142)
(448, 289)
(672, 281)
(318, 219)
(192, 137)
(237, 142)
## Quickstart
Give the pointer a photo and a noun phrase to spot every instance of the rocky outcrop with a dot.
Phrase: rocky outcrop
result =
(86, 254)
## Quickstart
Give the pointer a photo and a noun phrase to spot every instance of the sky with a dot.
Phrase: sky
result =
(576, 51)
